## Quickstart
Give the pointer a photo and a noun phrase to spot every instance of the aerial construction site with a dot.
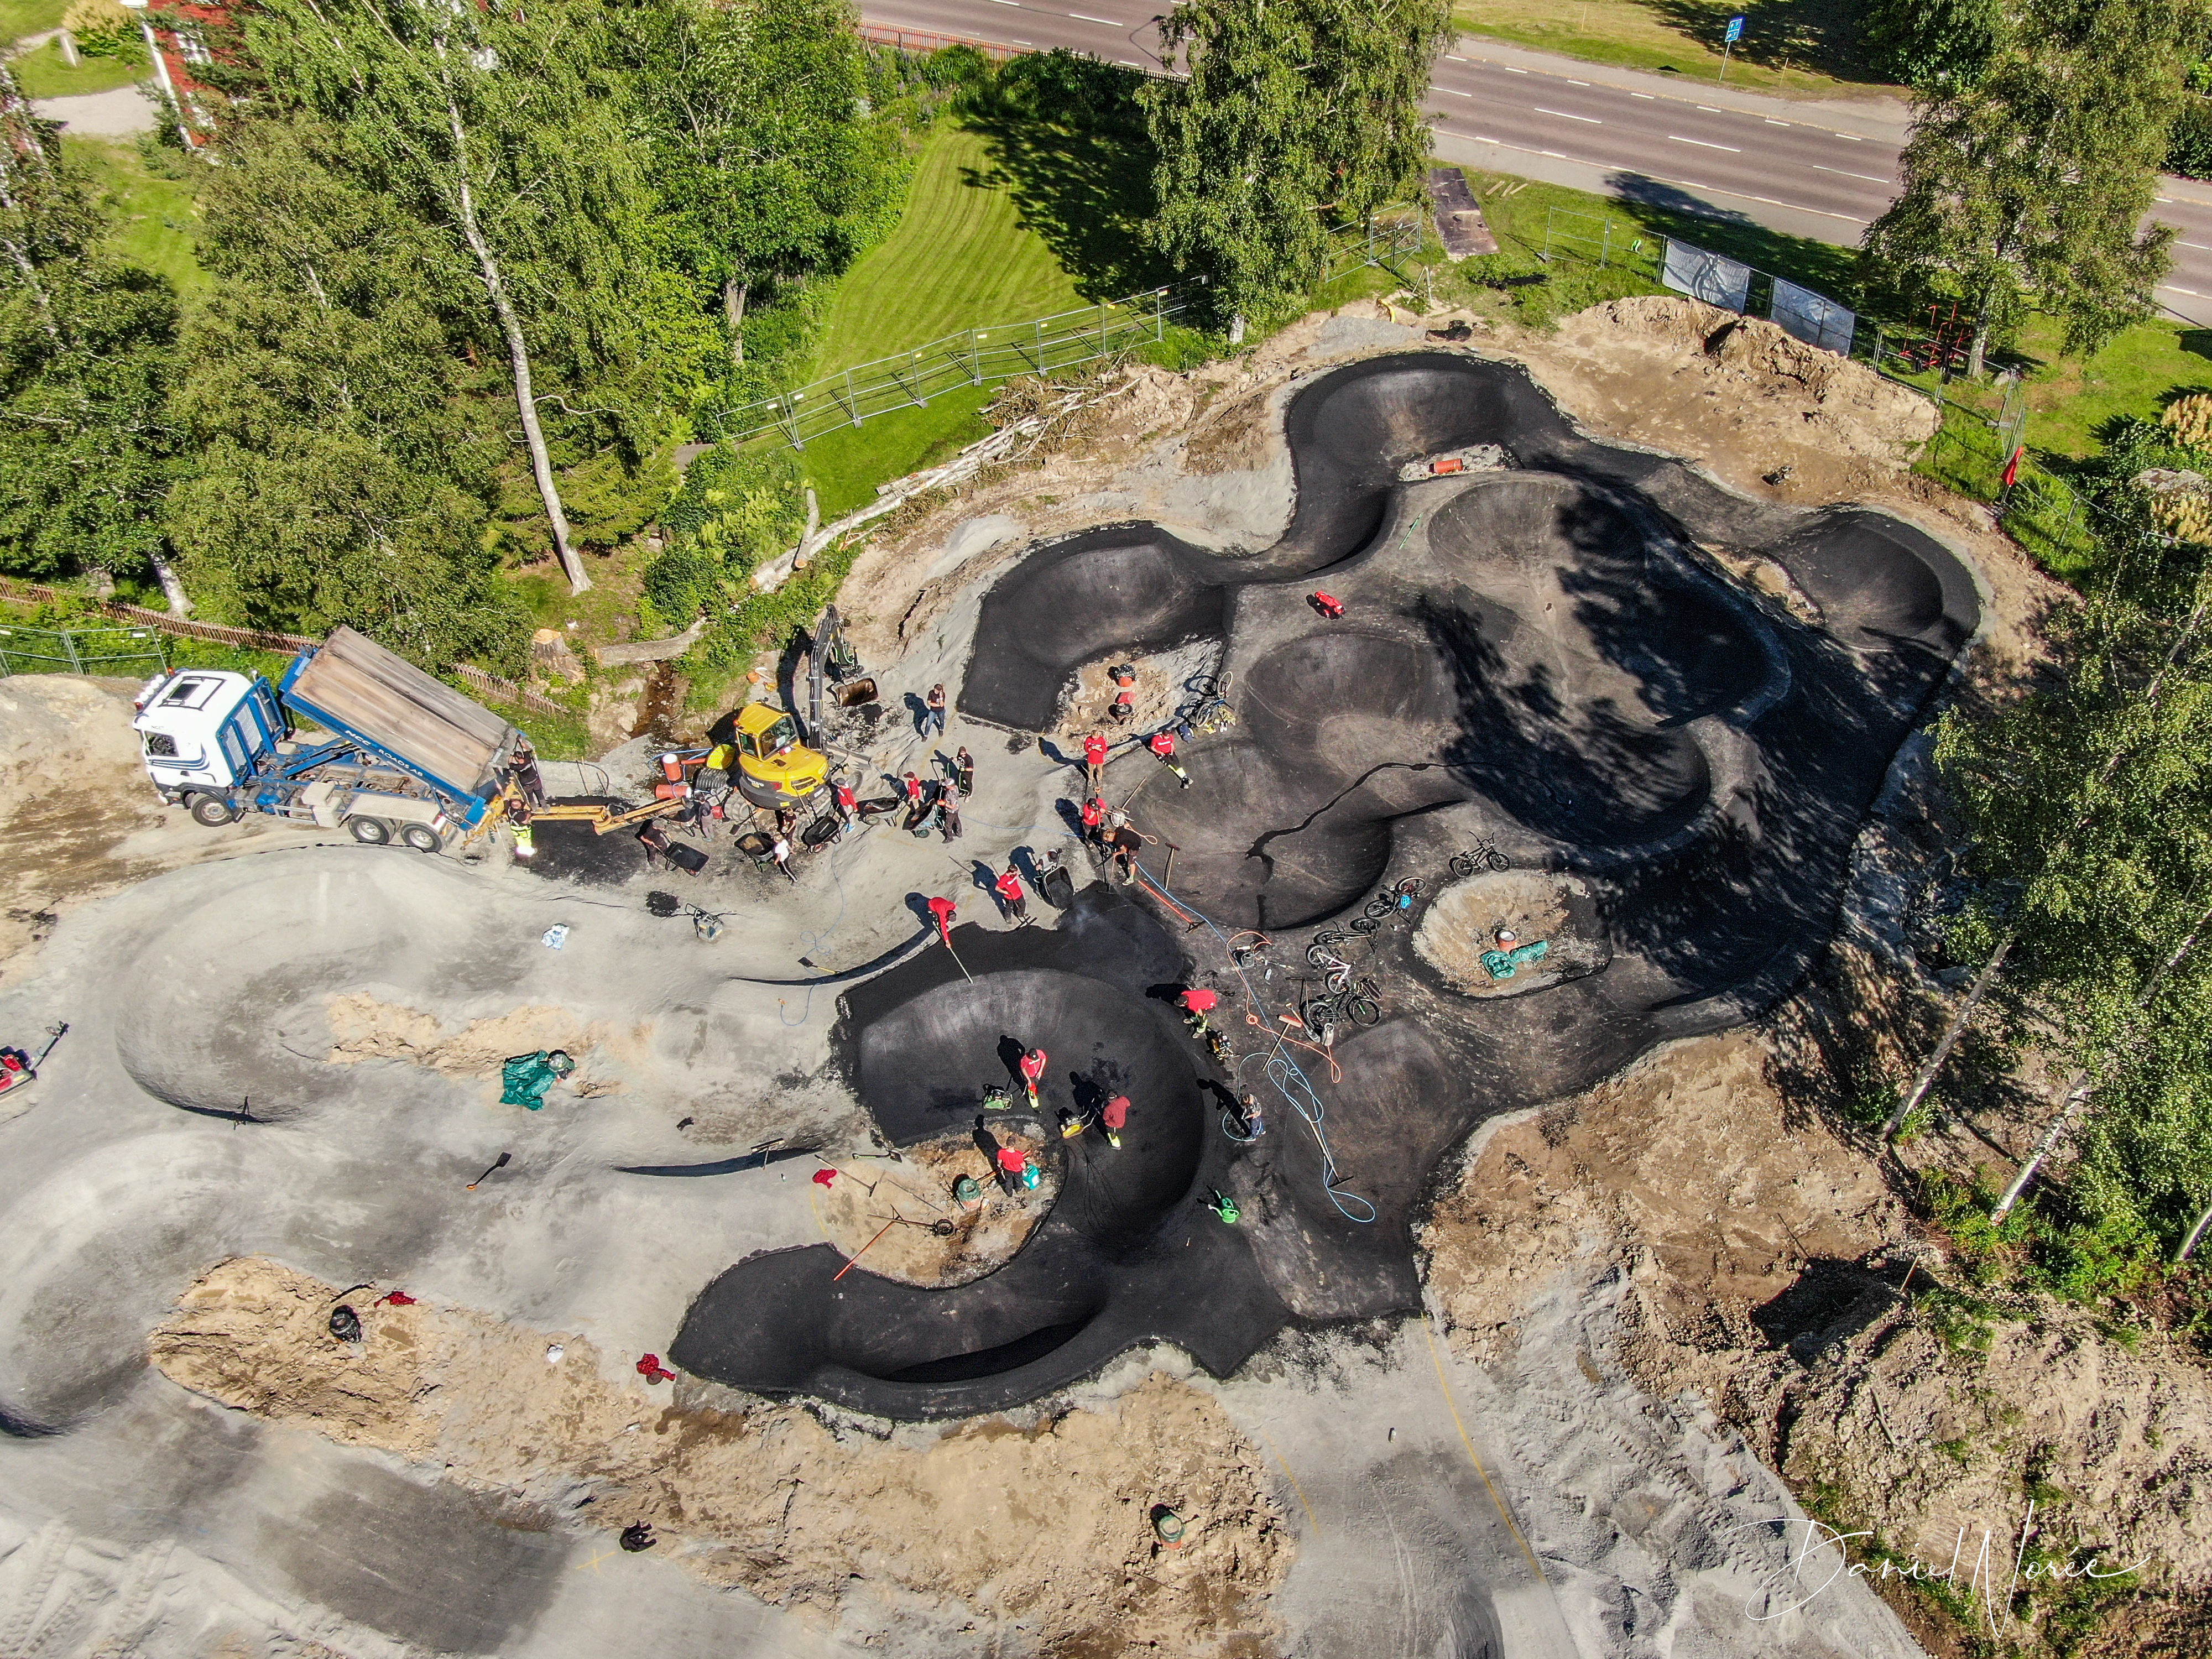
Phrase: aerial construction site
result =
(695, 1201)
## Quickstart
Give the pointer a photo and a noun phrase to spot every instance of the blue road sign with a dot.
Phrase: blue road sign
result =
(1734, 30)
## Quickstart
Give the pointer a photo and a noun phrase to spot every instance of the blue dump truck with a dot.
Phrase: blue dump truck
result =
(400, 757)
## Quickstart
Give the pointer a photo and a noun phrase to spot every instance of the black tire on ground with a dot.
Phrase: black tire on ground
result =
(1367, 924)
(1498, 860)
(369, 832)
(421, 838)
(1461, 865)
(213, 811)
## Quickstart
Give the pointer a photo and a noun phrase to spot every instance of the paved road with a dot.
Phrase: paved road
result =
(1818, 169)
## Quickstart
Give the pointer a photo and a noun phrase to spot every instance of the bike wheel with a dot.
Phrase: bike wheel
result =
(1409, 888)
(1329, 936)
(1497, 860)
(1461, 865)
(1369, 924)
(1377, 909)
(1363, 1010)
(1320, 955)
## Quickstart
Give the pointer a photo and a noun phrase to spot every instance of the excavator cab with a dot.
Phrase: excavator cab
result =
(775, 769)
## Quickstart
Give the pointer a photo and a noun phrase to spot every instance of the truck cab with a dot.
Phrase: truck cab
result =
(206, 729)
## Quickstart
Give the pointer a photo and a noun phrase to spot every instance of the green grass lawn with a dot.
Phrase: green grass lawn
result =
(1798, 48)
(21, 17)
(960, 258)
(42, 74)
(153, 204)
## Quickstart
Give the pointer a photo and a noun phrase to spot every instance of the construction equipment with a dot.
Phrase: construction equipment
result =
(603, 816)
(401, 757)
(774, 768)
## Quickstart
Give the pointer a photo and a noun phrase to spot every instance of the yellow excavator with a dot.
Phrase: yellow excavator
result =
(767, 761)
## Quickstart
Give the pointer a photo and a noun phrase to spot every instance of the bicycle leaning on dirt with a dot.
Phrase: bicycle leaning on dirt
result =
(1210, 713)
(1481, 856)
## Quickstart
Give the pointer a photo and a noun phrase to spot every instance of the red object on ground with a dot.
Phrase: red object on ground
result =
(397, 1299)
(1012, 1159)
(824, 1177)
(1451, 463)
(671, 791)
(1198, 1001)
(1009, 887)
(1163, 743)
(943, 910)
(652, 1370)
(1094, 748)
(1116, 1113)
(1033, 1064)
(2012, 467)
(1328, 604)
(671, 768)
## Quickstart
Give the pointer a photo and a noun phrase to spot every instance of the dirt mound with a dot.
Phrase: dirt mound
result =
(891, 1211)
(1049, 1525)
(54, 728)
(1771, 1272)
(363, 1027)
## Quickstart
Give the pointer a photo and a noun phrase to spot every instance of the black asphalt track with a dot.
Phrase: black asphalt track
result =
(1536, 657)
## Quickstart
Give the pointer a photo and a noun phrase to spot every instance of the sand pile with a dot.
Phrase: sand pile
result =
(892, 1211)
(1771, 1272)
(364, 1027)
(1048, 1525)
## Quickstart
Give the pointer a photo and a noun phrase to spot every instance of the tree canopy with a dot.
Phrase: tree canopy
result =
(2025, 184)
(1293, 117)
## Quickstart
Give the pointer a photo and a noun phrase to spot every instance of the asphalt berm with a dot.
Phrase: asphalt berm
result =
(1533, 658)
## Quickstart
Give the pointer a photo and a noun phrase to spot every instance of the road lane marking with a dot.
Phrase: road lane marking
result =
(2190, 292)
(1509, 70)
(1772, 122)
(1648, 97)
(1108, 21)
(1709, 110)
(1840, 173)
(1577, 83)
(1564, 116)
(1678, 138)
(1852, 136)
(1448, 58)
(1454, 92)
(1686, 183)
(2199, 247)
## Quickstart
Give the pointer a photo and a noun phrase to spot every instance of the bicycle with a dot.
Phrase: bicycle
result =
(1360, 1003)
(1481, 855)
(1338, 970)
(1393, 901)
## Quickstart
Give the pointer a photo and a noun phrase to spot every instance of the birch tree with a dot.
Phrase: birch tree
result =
(2024, 184)
(1294, 116)
(500, 126)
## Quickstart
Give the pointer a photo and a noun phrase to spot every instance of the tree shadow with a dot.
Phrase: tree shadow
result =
(1068, 142)
(1819, 35)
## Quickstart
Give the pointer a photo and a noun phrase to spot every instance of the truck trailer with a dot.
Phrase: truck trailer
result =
(401, 757)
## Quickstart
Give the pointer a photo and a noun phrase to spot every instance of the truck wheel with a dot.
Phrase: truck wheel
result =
(421, 838)
(369, 832)
(213, 811)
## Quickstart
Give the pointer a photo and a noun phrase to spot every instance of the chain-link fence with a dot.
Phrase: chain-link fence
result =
(125, 651)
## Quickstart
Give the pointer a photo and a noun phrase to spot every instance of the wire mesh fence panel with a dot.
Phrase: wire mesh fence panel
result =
(1813, 318)
(118, 651)
(1716, 280)
(976, 357)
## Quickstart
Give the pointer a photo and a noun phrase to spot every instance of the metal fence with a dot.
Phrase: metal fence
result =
(1006, 352)
(119, 651)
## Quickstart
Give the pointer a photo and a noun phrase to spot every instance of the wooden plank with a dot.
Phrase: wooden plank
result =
(1460, 223)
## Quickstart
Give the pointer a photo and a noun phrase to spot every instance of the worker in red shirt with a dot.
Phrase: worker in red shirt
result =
(1163, 745)
(1113, 1118)
(1196, 1004)
(944, 910)
(913, 791)
(1033, 1065)
(1008, 887)
(1094, 817)
(1015, 1170)
(847, 802)
(1328, 604)
(1094, 757)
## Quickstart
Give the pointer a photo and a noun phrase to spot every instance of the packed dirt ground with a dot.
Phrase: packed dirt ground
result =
(1047, 1526)
(1700, 1228)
